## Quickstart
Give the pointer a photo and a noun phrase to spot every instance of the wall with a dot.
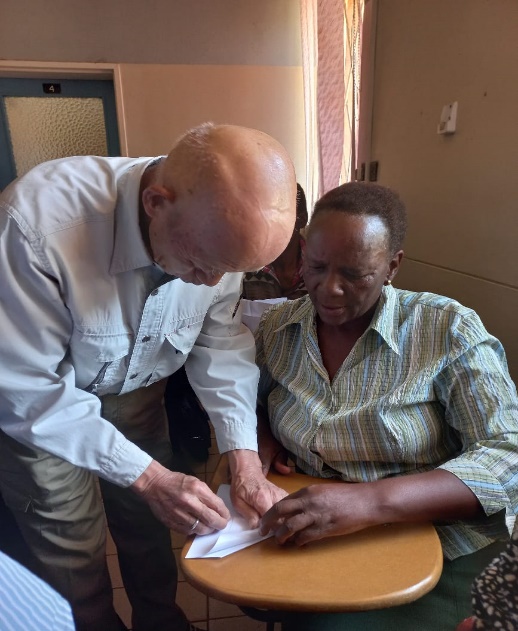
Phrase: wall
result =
(461, 191)
(201, 32)
(264, 97)
(176, 63)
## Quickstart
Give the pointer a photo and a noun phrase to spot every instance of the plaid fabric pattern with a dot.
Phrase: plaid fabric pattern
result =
(264, 284)
(426, 386)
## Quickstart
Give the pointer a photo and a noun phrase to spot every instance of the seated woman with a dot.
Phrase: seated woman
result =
(404, 394)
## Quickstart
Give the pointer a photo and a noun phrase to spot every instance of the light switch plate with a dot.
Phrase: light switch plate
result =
(448, 120)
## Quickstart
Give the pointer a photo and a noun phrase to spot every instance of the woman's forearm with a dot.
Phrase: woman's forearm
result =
(437, 496)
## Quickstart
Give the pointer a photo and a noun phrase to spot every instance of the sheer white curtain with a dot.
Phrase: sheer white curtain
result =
(331, 51)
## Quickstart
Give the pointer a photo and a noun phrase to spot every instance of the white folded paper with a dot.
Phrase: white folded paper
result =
(253, 310)
(234, 537)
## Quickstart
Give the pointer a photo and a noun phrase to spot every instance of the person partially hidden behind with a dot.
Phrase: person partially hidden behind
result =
(403, 394)
(116, 272)
(283, 277)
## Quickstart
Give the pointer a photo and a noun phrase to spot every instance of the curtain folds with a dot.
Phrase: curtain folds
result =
(331, 51)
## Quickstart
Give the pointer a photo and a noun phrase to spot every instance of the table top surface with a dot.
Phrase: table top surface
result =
(378, 567)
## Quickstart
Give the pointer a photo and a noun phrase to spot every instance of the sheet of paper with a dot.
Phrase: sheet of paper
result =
(234, 537)
(253, 310)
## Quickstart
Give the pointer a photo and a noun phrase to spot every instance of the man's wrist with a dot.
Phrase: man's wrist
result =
(145, 479)
(244, 461)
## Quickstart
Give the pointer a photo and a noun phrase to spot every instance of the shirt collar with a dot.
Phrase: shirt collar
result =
(386, 317)
(302, 313)
(384, 320)
(129, 250)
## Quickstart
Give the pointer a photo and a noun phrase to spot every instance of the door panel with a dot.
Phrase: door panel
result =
(46, 119)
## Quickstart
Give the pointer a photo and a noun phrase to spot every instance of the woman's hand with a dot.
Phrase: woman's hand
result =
(273, 456)
(271, 452)
(318, 511)
(326, 510)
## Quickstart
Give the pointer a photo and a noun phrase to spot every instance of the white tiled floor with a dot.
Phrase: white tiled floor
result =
(206, 613)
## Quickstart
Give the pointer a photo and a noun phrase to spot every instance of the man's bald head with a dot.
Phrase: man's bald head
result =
(231, 193)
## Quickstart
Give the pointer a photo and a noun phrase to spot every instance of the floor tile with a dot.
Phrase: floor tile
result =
(122, 606)
(110, 545)
(115, 573)
(177, 555)
(220, 609)
(212, 463)
(236, 624)
(177, 540)
(197, 467)
(193, 603)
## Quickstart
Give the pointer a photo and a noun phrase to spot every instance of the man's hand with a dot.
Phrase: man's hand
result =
(179, 500)
(252, 494)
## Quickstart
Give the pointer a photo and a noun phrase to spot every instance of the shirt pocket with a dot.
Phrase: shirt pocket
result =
(100, 356)
(184, 334)
(178, 342)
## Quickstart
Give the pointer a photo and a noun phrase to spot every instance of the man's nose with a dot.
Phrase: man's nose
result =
(211, 279)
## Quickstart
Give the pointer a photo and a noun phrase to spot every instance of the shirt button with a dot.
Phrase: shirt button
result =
(146, 338)
(154, 292)
(134, 375)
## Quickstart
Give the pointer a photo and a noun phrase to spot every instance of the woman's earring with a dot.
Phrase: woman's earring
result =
(388, 282)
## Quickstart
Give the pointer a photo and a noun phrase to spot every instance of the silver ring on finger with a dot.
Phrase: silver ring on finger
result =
(194, 526)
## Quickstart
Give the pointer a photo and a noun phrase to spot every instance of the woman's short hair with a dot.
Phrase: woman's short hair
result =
(365, 198)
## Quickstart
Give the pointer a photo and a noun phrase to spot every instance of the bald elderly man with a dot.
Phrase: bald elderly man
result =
(115, 273)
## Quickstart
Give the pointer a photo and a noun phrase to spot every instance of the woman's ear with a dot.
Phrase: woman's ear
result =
(394, 266)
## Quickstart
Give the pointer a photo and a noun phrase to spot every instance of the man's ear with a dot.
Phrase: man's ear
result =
(394, 265)
(154, 197)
